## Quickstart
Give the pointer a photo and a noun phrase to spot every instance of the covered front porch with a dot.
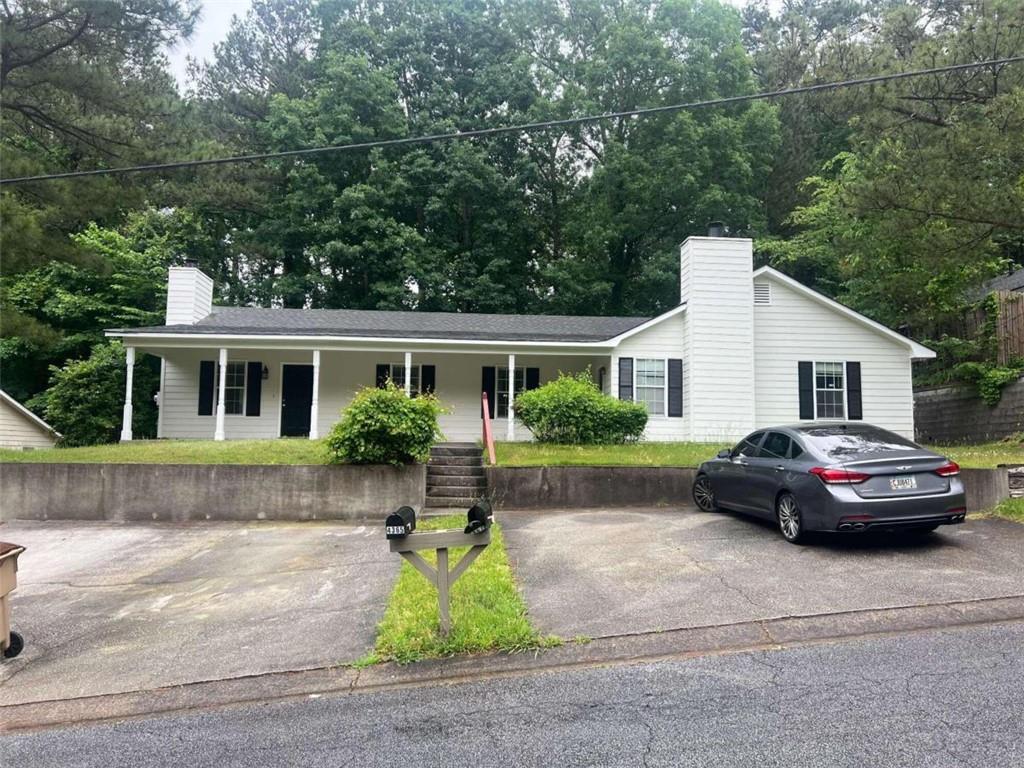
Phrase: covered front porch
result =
(249, 391)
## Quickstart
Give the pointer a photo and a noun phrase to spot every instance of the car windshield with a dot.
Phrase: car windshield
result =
(837, 442)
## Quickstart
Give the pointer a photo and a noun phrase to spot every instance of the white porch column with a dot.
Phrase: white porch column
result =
(510, 432)
(218, 433)
(314, 408)
(126, 418)
(408, 374)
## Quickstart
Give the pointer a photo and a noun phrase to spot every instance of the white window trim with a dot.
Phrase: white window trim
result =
(664, 402)
(498, 390)
(216, 388)
(845, 391)
(418, 367)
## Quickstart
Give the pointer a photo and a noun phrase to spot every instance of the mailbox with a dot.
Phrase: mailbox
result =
(400, 523)
(479, 517)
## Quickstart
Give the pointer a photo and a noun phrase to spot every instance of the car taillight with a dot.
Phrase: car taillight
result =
(948, 470)
(839, 476)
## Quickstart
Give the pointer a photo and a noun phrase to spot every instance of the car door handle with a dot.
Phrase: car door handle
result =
(780, 468)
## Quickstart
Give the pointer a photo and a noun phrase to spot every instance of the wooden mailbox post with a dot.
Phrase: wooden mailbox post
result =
(442, 579)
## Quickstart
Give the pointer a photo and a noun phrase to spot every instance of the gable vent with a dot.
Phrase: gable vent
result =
(762, 293)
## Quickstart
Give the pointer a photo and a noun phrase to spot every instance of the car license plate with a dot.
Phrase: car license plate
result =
(902, 483)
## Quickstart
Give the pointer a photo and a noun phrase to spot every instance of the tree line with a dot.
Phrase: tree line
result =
(896, 199)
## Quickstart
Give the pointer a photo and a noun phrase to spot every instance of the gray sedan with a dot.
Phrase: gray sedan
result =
(837, 477)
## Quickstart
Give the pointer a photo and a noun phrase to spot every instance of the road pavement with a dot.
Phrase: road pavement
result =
(936, 698)
(601, 573)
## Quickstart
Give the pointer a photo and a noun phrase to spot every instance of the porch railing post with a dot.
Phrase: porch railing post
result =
(126, 417)
(222, 383)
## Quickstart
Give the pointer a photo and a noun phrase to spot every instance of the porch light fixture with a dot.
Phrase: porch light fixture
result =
(266, 373)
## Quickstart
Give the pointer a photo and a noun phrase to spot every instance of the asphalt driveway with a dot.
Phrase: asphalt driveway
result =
(109, 607)
(600, 573)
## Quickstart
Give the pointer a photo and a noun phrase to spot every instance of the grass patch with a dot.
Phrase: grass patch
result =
(1011, 509)
(984, 455)
(634, 454)
(287, 451)
(488, 613)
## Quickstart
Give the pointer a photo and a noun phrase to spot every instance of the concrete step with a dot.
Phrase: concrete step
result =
(439, 470)
(456, 449)
(460, 503)
(466, 481)
(456, 461)
(459, 491)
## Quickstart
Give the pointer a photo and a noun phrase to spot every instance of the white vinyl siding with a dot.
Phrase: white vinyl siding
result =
(341, 375)
(718, 287)
(663, 340)
(189, 296)
(794, 328)
(19, 431)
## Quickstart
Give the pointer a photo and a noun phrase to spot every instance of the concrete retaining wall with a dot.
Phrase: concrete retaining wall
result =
(569, 487)
(179, 492)
(957, 415)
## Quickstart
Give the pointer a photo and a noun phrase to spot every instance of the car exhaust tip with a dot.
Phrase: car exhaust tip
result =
(858, 526)
(845, 526)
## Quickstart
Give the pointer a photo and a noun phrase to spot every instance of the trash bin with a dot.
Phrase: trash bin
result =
(10, 642)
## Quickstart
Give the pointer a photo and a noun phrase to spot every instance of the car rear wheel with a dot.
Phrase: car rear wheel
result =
(704, 494)
(791, 523)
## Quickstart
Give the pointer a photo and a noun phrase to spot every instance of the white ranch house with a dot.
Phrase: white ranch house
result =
(741, 350)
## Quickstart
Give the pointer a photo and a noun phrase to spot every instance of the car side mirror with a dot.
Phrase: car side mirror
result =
(725, 453)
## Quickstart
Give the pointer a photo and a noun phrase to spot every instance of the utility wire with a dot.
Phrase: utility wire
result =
(520, 128)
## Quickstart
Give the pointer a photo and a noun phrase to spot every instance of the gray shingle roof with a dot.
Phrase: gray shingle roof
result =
(414, 325)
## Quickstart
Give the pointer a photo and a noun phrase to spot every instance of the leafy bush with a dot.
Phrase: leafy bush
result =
(86, 398)
(571, 410)
(383, 426)
(989, 379)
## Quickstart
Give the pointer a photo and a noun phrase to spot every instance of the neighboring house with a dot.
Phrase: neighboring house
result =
(22, 429)
(1014, 281)
(742, 349)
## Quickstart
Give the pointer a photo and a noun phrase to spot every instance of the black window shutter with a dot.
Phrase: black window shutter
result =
(532, 378)
(675, 387)
(853, 397)
(206, 387)
(489, 386)
(253, 388)
(806, 370)
(428, 374)
(626, 378)
(383, 374)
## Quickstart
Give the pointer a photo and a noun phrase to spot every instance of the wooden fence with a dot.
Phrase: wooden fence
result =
(1009, 325)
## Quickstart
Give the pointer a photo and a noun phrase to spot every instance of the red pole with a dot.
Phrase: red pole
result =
(488, 437)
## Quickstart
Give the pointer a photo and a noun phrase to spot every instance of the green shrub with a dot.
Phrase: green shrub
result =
(571, 410)
(85, 399)
(383, 426)
(989, 379)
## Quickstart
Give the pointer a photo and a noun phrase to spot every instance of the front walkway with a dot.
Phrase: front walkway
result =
(600, 573)
(108, 607)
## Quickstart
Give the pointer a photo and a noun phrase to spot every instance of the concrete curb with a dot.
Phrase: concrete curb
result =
(769, 634)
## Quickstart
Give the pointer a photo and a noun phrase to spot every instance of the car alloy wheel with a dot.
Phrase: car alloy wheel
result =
(790, 522)
(703, 495)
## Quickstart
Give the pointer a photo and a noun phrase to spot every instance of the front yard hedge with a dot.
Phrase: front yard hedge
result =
(383, 426)
(571, 410)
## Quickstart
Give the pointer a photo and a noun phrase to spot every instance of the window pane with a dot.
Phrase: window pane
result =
(233, 401)
(775, 446)
(650, 385)
(501, 387)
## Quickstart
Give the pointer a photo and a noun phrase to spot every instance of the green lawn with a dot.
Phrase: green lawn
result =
(487, 611)
(295, 451)
(692, 454)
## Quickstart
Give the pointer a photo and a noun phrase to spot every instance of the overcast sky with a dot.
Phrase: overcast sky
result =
(213, 26)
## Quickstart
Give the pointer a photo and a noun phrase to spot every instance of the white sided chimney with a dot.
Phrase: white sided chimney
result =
(717, 285)
(189, 295)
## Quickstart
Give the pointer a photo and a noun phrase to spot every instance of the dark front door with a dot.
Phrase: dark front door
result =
(296, 400)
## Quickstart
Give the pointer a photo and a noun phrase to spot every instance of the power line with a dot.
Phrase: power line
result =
(520, 128)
